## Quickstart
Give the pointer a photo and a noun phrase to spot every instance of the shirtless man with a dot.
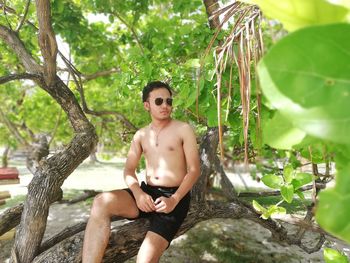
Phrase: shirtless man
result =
(172, 168)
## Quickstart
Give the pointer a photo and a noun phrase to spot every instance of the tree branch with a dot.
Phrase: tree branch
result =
(11, 217)
(131, 29)
(88, 77)
(24, 16)
(125, 239)
(47, 40)
(78, 82)
(6, 8)
(11, 38)
(277, 193)
(211, 7)
(5, 14)
(11, 77)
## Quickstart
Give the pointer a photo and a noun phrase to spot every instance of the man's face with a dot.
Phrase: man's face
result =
(158, 104)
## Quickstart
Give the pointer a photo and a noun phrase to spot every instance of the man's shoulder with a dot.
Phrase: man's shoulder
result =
(181, 124)
(184, 128)
(140, 132)
(143, 129)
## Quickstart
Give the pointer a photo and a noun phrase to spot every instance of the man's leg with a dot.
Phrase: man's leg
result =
(105, 205)
(152, 248)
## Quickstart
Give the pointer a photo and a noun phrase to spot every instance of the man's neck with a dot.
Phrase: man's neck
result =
(159, 124)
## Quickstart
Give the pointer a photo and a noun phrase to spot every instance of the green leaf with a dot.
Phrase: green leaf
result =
(295, 14)
(212, 116)
(317, 149)
(259, 208)
(272, 181)
(308, 88)
(192, 63)
(276, 210)
(333, 208)
(287, 192)
(301, 179)
(300, 194)
(280, 133)
(111, 18)
(334, 256)
(273, 210)
(288, 173)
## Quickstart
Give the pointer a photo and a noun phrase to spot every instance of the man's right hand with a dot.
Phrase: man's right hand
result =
(145, 202)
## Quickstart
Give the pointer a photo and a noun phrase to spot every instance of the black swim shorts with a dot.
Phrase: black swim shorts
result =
(165, 225)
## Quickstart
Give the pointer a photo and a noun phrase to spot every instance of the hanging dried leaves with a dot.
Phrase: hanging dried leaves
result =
(241, 48)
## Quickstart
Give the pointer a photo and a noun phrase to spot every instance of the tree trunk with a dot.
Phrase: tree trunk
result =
(125, 240)
(45, 184)
(4, 158)
(211, 6)
(49, 173)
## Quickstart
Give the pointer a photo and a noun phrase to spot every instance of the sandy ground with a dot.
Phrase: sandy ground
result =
(247, 240)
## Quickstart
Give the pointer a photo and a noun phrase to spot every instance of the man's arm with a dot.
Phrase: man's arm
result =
(143, 200)
(193, 172)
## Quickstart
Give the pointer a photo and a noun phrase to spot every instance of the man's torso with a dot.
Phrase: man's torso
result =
(165, 163)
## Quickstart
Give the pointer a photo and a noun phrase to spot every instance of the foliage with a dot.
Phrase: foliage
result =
(139, 40)
(310, 91)
(296, 14)
(334, 256)
(289, 184)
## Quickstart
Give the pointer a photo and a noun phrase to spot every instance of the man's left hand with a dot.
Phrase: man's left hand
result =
(165, 205)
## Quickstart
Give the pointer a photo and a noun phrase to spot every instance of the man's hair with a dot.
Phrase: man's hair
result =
(152, 86)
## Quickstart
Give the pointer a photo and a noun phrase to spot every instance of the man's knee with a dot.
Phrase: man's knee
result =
(101, 204)
(152, 248)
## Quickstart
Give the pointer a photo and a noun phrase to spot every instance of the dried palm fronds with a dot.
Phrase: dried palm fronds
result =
(241, 48)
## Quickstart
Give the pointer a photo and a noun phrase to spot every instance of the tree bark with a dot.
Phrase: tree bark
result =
(4, 158)
(211, 6)
(47, 40)
(12, 40)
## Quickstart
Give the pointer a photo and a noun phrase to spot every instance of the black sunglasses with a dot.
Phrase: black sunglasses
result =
(159, 101)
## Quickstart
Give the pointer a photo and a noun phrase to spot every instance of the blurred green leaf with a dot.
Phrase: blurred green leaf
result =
(334, 256)
(287, 192)
(111, 18)
(259, 208)
(192, 63)
(288, 173)
(333, 208)
(301, 179)
(272, 181)
(275, 210)
(305, 86)
(279, 133)
(300, 194)
(295, 14)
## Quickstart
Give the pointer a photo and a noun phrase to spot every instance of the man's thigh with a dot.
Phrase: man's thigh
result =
(120, 203)
(152, 248)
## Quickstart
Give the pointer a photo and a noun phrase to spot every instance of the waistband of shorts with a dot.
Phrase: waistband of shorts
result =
(174, 188)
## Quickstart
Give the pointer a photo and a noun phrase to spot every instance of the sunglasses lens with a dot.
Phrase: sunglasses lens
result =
(158, 101)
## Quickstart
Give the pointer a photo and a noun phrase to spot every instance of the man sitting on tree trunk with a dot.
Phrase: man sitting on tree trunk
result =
(172, 167)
